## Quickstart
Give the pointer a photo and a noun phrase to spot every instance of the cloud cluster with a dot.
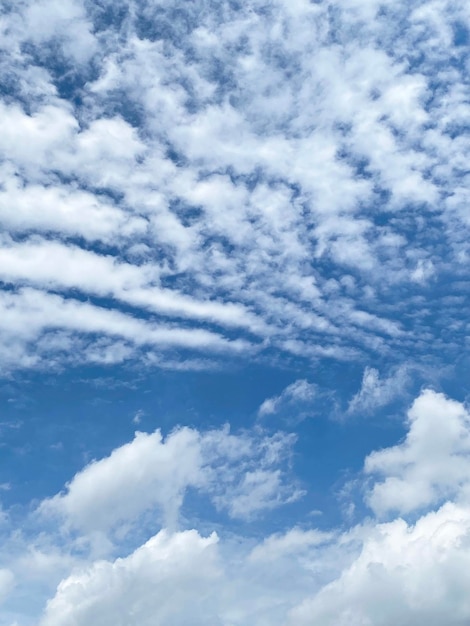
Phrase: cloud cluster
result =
(408, 570)
(431, 464)
(300, 391)
(407, 574)
(211, 168)
(244, 474)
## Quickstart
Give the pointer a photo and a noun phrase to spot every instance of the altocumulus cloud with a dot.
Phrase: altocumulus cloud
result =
(212, 165)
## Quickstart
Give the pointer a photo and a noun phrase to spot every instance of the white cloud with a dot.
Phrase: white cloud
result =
(181, 578)
(295, 541)
(379, 575)
(30, 319)
(413, 573)
(46, 21)
(138, 416)
(376, 392)
(300, 391)
(259, 490)
(58, 266)
(135, 477)
(69, 212)
(431, 465)
(167, 580)
(243, 474)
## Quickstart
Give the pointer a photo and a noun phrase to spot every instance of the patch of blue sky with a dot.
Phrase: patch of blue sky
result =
(121, 103)
(461, 34)
(108, 15)
(170, 23)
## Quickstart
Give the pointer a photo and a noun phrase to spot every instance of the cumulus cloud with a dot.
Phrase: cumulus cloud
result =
(167, 580)
(376, 392)
(431, 464)
(412, 571)
(184, 576)
(137, 476)
(407, 574)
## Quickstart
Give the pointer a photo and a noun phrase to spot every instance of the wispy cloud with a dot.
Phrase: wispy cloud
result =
(298, 393)
(244, 474)
(377, 391)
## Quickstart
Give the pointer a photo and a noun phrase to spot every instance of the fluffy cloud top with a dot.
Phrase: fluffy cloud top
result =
(407, 574)
(431, 464)
(301, 391)
(165, 581)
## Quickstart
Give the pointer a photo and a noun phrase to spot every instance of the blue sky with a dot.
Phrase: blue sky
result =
(234, 255)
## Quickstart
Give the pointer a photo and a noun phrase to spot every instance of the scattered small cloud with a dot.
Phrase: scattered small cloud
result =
(138, 416)
(376, 391)
(299, 393)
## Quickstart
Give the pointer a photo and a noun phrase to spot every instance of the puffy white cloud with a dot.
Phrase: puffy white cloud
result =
(432, 463)
(181, 578)
(242, 473)
(413, 575)
(169, 580)
(412, 572)
(135, 477)
(46, 22)
(32, 141)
